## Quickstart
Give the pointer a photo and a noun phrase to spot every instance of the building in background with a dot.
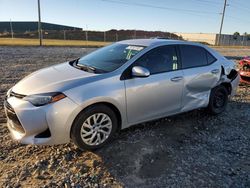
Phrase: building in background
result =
(213, 39)
(208, 38)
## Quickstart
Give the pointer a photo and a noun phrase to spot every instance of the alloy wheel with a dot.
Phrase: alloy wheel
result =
(96, 129)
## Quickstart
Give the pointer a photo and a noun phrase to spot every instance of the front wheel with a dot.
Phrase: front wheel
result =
(218, 100)
(94, 127)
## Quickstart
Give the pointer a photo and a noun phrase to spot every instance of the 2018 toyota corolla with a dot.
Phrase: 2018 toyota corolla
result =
(89, 99)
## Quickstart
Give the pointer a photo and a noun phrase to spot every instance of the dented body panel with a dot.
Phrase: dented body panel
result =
(198, 83)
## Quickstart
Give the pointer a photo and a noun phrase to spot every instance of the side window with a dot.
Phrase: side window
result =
(193, 56)
(160, 59)
(210, 58)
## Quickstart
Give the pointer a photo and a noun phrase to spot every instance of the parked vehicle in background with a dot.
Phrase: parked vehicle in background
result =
(89, 99)
(245, 70)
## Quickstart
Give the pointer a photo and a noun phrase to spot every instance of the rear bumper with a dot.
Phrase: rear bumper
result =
(235, 84)
(45, 125)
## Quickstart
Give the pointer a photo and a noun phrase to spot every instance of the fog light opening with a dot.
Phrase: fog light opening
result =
(44, 134)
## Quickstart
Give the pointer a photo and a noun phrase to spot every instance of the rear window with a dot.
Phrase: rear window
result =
(193, 56)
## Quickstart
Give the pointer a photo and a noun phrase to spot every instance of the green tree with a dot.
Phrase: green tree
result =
(236, 35)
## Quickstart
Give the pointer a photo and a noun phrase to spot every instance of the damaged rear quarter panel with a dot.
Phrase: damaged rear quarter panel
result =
(198, 83)
(230, 75)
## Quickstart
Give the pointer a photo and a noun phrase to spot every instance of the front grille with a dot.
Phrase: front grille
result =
(10, 113)
(13, 94)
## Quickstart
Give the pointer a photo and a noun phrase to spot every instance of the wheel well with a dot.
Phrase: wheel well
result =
(228, 87)
(113, 107)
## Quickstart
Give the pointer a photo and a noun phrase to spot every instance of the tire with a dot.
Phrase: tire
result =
(91, 117)
(218, 100)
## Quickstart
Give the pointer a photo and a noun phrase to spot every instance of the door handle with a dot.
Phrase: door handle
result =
(215, 71)
(176, 79)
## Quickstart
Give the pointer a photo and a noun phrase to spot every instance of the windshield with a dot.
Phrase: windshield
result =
(110, 57)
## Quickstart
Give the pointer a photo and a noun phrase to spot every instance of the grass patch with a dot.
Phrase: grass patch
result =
(49, 42)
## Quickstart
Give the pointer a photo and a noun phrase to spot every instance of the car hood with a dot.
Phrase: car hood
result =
(55, 78)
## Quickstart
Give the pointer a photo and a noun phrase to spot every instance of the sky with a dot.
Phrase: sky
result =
(195, 16)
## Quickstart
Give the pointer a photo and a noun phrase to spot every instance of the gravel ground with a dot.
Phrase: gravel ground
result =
(188, 150)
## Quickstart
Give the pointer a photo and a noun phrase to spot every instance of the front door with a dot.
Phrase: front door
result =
(159, 94)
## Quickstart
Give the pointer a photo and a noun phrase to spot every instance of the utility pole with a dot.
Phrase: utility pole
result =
(135, 34)
(11, 29)
(39, 23)
(104, 36)
(86, 33)
(64, 34)
(222, 21)
(116, 37)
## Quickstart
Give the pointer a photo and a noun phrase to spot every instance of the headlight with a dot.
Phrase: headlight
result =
(45, 98)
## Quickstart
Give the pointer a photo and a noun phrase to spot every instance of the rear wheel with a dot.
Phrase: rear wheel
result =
(94, 127)
(218, 100)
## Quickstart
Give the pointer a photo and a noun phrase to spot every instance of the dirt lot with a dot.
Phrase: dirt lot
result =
(187, 150)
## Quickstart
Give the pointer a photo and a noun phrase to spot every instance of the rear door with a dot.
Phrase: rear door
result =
(201, 72)
(160, 93)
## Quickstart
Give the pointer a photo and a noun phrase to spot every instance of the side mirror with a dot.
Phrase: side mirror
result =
(139, 71)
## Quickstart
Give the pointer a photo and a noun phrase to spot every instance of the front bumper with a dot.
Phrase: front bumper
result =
(46, 125)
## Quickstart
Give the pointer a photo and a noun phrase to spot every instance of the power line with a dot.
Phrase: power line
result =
(11, 29)
(187, 11)
(208, 2)
(202, 1)
(159, 7)
(239, 19)
(240, 5)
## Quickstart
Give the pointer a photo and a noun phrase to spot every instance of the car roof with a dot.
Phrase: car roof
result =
(156, 41)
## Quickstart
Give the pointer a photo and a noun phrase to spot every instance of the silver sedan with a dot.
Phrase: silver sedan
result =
(89, 99)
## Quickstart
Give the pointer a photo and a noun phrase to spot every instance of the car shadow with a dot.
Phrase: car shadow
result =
(192, 149)
(176, 149)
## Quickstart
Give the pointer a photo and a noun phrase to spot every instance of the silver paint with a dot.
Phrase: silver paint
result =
(138, 99)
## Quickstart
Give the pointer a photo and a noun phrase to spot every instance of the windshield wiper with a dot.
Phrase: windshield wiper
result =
(83, 66)
(87, 68)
